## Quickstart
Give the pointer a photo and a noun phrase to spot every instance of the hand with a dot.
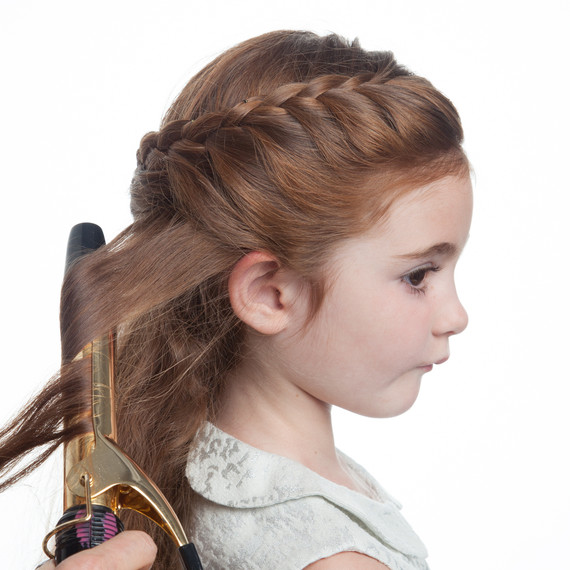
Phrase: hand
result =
(129, 550)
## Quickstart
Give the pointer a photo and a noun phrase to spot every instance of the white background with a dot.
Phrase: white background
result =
(481, 461)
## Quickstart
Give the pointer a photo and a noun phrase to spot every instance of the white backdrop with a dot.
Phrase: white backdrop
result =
(481, 461)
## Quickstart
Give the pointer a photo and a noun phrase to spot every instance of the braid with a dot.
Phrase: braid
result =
(189, 136)
(336, 98)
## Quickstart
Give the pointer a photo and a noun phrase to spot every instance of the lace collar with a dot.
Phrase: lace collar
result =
(231, 473)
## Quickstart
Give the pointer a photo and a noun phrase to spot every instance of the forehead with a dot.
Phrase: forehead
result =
(441, 208)
(438, 213)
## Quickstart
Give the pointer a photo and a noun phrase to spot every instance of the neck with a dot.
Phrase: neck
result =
(267, 411)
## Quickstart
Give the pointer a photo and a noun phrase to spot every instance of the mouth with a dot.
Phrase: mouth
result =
(429, 367)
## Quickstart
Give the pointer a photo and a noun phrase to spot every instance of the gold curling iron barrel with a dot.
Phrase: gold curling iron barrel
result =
(100, 479)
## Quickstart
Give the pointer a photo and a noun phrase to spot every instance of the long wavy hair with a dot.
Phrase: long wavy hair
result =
(270, 147)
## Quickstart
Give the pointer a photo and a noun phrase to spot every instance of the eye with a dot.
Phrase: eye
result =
(415, 279)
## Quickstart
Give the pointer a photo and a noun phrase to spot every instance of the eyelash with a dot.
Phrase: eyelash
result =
(419, 274)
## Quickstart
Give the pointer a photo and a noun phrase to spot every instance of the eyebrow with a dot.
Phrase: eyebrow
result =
(444, 249)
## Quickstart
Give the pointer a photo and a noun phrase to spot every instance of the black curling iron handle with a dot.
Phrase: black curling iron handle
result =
(190, 557)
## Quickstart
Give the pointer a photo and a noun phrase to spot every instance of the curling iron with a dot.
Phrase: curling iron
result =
(100, 480)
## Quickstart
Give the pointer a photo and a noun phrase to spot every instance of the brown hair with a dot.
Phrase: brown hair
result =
(271, 147)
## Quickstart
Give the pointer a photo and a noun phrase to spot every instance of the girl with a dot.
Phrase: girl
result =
(297, 221)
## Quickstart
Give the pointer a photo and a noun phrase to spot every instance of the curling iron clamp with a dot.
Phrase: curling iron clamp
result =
(100, 479)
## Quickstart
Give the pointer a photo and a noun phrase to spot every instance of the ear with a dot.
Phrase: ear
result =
(262, 294)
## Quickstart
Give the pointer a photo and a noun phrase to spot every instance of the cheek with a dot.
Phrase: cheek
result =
(401, 323)
(384, 329)
(367, 324)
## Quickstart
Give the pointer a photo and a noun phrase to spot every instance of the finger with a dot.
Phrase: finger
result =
(129, 550)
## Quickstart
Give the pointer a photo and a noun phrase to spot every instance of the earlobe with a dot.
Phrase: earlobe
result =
(258, 290)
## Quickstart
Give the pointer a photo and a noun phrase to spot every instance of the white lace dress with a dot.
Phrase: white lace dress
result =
(257, 510)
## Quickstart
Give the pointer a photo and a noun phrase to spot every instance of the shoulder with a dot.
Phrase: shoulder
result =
(344, 560)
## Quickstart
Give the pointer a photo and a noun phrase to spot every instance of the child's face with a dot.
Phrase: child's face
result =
(391, 308)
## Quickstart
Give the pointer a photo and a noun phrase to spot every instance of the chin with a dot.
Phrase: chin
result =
(392, 407)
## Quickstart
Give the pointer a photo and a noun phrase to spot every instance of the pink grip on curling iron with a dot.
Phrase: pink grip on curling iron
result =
(102, 526)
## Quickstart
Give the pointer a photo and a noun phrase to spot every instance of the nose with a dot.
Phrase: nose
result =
(451, 318)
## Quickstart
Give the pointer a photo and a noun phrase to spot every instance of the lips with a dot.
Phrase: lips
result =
(428, 367)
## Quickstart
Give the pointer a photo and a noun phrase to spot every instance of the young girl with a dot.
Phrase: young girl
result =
(297, 221)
